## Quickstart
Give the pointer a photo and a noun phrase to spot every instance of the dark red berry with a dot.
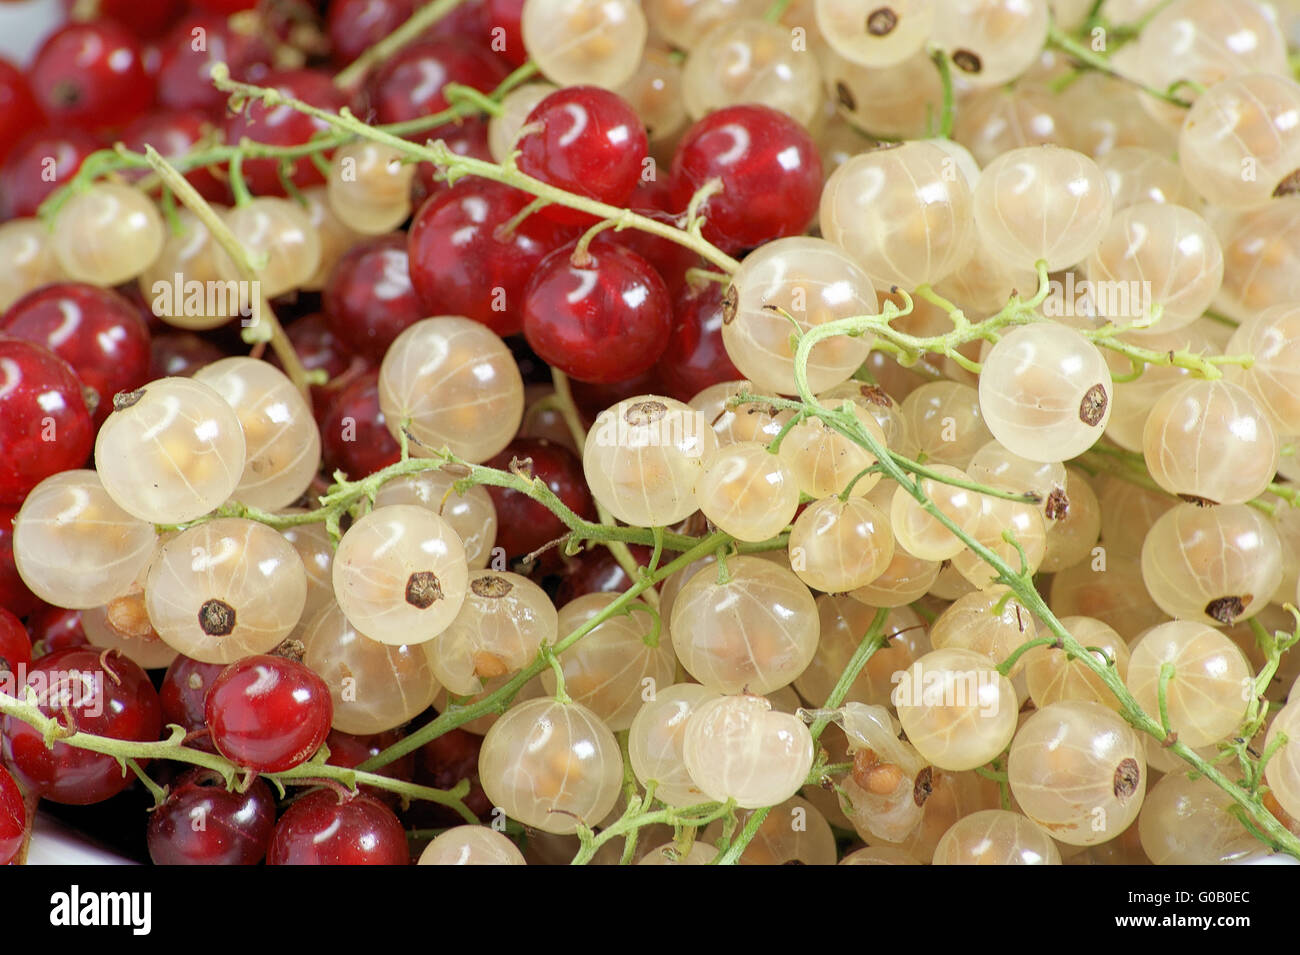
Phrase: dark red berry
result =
(467, 137)
(523, 525)
(445, 761)
(13, 818)
(769, 169)
(356, 25)
(202, 823)
(318, 347)
(147, 19)
(695, 357)
(410, 85)
(350, 751)
(19, 112)
(94, 691)
(326, 827)
(174, 133)
(180, 354)
(587, 141)
(283, 126)
(45, 426)
(15, 649)
(505, 18)
(603, 318)
(53, 629)
(354, 437)
(461, 261)
(190, 49)
(91, 75)
(184, 694)
(268, 713)
(95, 330)
(369, 299)
(42, 161)
(14, 595)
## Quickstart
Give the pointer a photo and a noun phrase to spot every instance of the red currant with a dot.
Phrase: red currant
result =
(95, 330)
(18, 109)
(180, 354)
(53, 629)
(318, 347)
(145, 18)
(39, 163)
(469, 137)
(13, 818)
(769, 169)
(268, 713)
(462, 264)
(284, 126)
(409, 86)
(671, 260)
(15, 646)
(596, 571)
(356, 25)
(190, 49)
(326, 827)
(44, 423)
(91, 75)
(184, 695)
(93, 691)
(604, 319)
(351, 751)
(587, 141)
(444, 762)
(523, 525)
(14, 595)
(203, 823)
(506, 16)
(354, 437)
(695, 357)
(369, 299)
(174, 133)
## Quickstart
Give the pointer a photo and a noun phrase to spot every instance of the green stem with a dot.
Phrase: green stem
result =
(1067, 44)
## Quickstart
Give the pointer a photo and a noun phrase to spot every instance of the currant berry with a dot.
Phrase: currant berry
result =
(203, 823)
(268, 713)
(327, 828)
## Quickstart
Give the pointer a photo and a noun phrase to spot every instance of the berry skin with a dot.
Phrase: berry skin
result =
(369, 299)
(15, 645)
(14, 593)
(328, 828)
(95, 330)
(356, 25)
(91, 76)
(354, 437)
(604, 320)
(18, 109)
(770, 172)
(27, 177)
(174, 133)
(587, 141)
(44, 424)
(268, 713)
(184, 696)
(523, 525)
(460, 262)
(100, 692)
(695, 357)
(13, 818)
(409, 86)
(183, 72)
(282, 126)
(202, 823)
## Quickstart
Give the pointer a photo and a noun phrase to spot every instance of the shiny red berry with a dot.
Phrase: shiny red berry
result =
(326, 827)
(94, 691)
(15, 648)
(695, 357)
(91, 75)
(13, 818)
(268, 713)
(53, 629)
(410, 85)
(45, 426)
(769, 169)
(283, 126)
(604, 318)
(369, 299)
(523, 525)
(184, 694)
(356, 25)
(95, 330)
(587, 141)
(19, 112)
(144, 18)
(462, 263)
(174, 133)
(354, 436)
(14, 595)
(190, 49)
(40, 162)
(203, 823)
